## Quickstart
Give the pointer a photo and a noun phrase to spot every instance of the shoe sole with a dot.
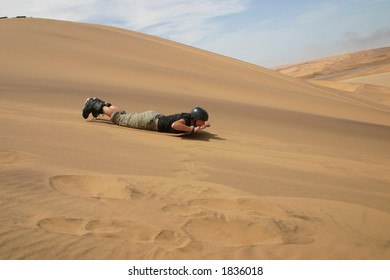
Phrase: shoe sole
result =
(82, 111)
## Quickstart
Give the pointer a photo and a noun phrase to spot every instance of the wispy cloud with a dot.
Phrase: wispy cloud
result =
(186, 21)
(179, 20)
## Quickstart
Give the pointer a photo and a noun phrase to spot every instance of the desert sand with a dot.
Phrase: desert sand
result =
(289, 169)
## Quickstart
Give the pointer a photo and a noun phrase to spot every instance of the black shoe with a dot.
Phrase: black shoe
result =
(95, 106)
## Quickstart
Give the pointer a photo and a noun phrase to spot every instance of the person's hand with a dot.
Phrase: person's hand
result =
(200, 128)
(206, 124)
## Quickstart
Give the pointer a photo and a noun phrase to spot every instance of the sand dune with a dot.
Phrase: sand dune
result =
(288, 170)
(365, 73)
(340, 67)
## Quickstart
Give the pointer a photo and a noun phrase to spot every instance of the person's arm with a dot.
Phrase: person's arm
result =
(180, 125)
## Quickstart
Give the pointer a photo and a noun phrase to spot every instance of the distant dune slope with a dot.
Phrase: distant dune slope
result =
(341, 66)
(365, 73)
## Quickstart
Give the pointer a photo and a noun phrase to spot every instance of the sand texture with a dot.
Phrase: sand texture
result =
(289, 169)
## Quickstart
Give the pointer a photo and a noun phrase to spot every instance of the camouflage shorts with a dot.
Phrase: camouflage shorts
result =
(145, 120)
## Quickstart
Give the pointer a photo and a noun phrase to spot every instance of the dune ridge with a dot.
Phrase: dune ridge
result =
(288, 170)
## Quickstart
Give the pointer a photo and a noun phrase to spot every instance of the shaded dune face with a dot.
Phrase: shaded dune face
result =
(288, 169)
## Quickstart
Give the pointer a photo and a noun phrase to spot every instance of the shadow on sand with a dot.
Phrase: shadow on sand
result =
(202, 136)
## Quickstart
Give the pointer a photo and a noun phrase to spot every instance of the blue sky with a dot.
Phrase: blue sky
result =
(263, 32)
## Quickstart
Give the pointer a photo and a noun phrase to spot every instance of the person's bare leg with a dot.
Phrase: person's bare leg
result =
(110, 110)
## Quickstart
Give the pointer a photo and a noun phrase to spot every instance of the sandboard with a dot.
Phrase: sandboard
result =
(184, 134)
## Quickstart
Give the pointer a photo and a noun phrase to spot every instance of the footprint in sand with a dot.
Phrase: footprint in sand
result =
(189, 167)
(180, 211)
(131, 187)
(73, 226)
(119, 230)
(243, 221)
(98, 228)
(96, 186)
(231, 231)
(113, 230)
(13, 157)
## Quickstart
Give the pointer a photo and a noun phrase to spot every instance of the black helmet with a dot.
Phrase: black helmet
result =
(199, 114)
